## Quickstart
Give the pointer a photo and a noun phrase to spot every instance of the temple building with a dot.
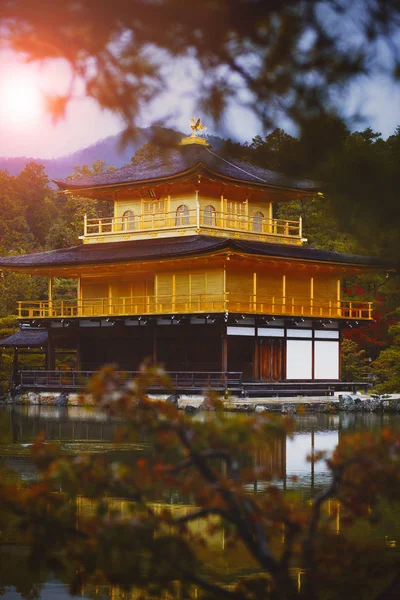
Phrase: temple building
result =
(195, 272)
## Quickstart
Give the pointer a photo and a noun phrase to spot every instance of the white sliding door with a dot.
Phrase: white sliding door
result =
(326, 360)
(299, 359)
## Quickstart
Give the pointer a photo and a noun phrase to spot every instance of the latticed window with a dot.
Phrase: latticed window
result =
(151, 207)
(258, 221)
(128, 220)
(182, 215)
(209, 216)
(236, 214)
(236, 209)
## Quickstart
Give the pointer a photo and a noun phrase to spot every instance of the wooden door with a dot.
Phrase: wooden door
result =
(271, 359)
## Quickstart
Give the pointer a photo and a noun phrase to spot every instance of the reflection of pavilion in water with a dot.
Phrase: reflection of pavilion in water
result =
(285, 456)
(58, 423)
(234, 561)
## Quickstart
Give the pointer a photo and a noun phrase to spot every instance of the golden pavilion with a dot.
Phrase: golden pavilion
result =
(192, 271)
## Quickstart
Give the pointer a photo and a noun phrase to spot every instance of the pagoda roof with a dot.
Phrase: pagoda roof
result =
(178, 247)
(175, 163)
(25, 338)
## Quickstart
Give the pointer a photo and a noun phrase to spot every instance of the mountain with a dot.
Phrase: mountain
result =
(107, 149)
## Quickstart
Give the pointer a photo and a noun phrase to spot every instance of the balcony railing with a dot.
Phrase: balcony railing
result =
(203, 303)
(179, 380)
(195, 219)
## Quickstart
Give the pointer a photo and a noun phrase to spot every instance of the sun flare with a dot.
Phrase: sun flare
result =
(20, 100)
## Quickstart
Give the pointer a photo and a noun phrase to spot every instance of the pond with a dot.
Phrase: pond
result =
(88, 431)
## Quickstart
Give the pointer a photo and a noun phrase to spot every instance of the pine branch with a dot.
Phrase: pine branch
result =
(214, 588)
(200, 514)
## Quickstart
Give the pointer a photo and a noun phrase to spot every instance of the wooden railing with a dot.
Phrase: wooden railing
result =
(192, 219)
(203, 303)
(180, 380)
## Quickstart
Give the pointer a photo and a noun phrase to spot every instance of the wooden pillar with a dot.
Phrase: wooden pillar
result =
(224, 349)
(51, 359)
(197, 211)
(184, 341)
(79, 295)
(50, 296)
(156, 291)
(270, 217)
(110, 311)
(155, 344)
(169, 219)
(174, 291)
(14, 373)
(226, 297)
(78, 361)
(256, 359)
(312, 295)
(255, 292)
(283, 293)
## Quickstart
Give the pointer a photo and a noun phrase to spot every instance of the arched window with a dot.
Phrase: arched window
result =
(258, 221)
(209, 216)
(182, 215)
(128, 220)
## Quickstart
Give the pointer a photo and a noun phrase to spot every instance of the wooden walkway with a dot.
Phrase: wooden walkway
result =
(189, 382)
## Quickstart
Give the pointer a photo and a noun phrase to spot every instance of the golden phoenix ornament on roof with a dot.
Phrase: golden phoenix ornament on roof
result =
(197, 126)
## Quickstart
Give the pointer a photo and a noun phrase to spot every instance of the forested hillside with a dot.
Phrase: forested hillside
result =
(358, 213)
(108, 150)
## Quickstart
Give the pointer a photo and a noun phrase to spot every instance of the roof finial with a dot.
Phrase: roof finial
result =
(198, 128)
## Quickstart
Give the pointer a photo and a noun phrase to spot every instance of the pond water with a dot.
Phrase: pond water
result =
(81, 430)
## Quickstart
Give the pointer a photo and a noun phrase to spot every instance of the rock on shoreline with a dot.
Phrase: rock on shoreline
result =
(339, 403)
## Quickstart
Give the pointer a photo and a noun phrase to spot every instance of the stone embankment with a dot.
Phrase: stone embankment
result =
(191, 404)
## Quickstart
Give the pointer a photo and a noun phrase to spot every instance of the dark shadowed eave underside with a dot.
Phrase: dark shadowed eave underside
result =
(184, 160)
(25, 338)
(169, 248)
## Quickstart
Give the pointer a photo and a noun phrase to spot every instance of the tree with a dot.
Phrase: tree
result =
(279, 151)
(97, 167)
(37, 198)
(354, 361)
(212, 462)
(290, 57)
(15, 236)
(386, 367)
(66, 229)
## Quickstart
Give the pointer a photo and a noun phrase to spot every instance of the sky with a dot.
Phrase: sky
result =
(26, 129)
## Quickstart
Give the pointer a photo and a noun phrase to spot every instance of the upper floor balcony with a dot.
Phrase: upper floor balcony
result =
(184, 220)
(196, 304)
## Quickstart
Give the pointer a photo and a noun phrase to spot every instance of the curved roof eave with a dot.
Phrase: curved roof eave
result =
(172, 248)
(195, 169)
(119, 184)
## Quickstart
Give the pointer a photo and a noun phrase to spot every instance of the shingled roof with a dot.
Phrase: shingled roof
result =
(156, 249)
(175, 162)
(25, 338)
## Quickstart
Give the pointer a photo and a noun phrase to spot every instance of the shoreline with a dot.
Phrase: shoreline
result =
(289, 405)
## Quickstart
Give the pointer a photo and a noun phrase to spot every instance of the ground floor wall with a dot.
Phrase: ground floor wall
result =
(284, 350)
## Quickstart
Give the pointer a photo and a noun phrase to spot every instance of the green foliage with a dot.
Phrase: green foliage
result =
(97, 167)
(8, 325)
(17, 286)
(386, 367)
(148, 151)
(276, 58)
(354, 361)
(155, 551)
(27, 210)
(32, 188)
